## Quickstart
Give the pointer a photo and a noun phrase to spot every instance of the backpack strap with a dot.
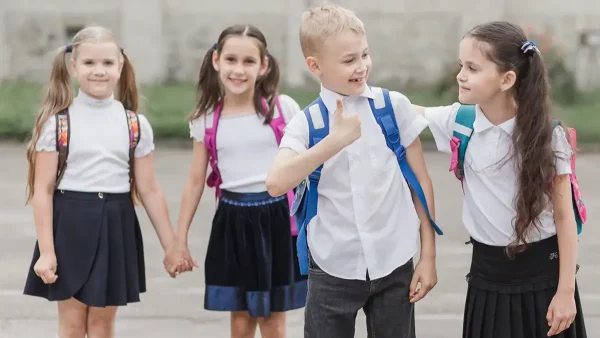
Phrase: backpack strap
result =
(305, 205)
(133, 124)
(210, 142)
(63, 136)
(383, 110)
(463, 130)
(278, 125)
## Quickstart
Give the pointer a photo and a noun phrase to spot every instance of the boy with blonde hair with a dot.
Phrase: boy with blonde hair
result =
(364, 164)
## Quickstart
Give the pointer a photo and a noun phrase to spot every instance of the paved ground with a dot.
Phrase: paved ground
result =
(173, 308)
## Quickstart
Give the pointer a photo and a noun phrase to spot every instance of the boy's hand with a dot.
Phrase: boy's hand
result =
(346, 128)
(425, 275)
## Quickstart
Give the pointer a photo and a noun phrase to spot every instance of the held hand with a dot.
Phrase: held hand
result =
(178, 259)
(561, 312)
(423, 280)
(45, 268)
(346, 128)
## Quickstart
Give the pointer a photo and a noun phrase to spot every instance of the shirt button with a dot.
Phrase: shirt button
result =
(101, 195)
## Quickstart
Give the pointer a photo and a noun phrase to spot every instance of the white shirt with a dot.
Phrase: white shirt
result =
(366, 219)
(246, 146)
(490, 181)
(98, 159)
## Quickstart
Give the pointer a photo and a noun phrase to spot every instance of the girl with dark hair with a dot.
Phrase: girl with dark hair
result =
(518, 205)
(251, 267)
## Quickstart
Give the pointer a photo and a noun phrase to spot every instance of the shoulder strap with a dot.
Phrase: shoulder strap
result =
(383, 110)
(63, 136)
(133, 124)
(210, 142)
(277, 122)
(463, 129)
(305, 204)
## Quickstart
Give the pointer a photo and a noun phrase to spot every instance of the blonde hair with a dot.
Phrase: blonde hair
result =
(323, 21)
(59, 93)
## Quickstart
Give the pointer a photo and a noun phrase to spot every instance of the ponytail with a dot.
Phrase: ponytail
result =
(128, 90)
(58, 97)
(208, 87)
(268, 87)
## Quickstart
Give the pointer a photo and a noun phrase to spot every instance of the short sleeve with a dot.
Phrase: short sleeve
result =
(197, 127)
(295, 135)
(47, 140)
(409, 122)
(146, 144)
(563, 151)
(441, 123)
(289, 107)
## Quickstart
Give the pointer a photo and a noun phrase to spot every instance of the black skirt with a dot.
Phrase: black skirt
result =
(99, 251)
(251, 262)
(509, 298)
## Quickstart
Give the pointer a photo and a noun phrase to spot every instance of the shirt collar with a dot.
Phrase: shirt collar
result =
(329, 97)
(482, 123)
(86, 99)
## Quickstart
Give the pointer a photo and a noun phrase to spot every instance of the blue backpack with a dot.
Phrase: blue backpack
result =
(463, 129)
(304, 207)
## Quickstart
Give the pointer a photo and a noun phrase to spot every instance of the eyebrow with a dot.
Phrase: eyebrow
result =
(352, 54)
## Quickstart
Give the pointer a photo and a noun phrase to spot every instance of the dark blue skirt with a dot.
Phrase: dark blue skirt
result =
(99, 251)
(509, 298)
(251, 262)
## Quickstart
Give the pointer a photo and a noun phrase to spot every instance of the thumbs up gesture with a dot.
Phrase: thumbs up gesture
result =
(345, 128)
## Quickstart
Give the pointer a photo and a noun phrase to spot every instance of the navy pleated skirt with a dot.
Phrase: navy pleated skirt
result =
(509, 298)
(99, 251)
(251, 262)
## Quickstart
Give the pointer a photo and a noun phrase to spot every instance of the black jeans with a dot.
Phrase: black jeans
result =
(333, 303)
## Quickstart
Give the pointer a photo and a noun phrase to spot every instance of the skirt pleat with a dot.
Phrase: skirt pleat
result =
(506, 300)
(99, 251)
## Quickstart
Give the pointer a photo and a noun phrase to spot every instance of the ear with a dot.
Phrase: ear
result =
(313, 65)
(73, 68)
(264, 66)
(508, 80)
(215, 60)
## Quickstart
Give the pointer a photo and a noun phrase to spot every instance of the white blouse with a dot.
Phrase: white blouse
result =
(98, 159)
(246, 147)
(490, 181)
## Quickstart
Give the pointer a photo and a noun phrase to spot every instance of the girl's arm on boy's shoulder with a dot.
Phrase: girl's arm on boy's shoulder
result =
(289, 107)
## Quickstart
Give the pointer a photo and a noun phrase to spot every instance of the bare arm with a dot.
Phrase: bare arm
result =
(414, 156)
(45, 179)
(566, 231)
(153, 199)
(192, 193)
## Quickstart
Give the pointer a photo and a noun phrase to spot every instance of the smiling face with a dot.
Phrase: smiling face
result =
(343, 63)
(479, 79)
(240, 64)
(97, 67)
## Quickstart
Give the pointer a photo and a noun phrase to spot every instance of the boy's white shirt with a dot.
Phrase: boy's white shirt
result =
(366, 219)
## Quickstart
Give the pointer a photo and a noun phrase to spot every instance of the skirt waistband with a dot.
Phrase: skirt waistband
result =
(93, 195)
(538, 262)
(249, 199)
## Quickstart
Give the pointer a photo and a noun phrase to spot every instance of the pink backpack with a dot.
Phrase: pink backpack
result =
(210, 141)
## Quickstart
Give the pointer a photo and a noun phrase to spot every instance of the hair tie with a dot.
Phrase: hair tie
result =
(68, 48)
(528, 47)
(215, 46)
